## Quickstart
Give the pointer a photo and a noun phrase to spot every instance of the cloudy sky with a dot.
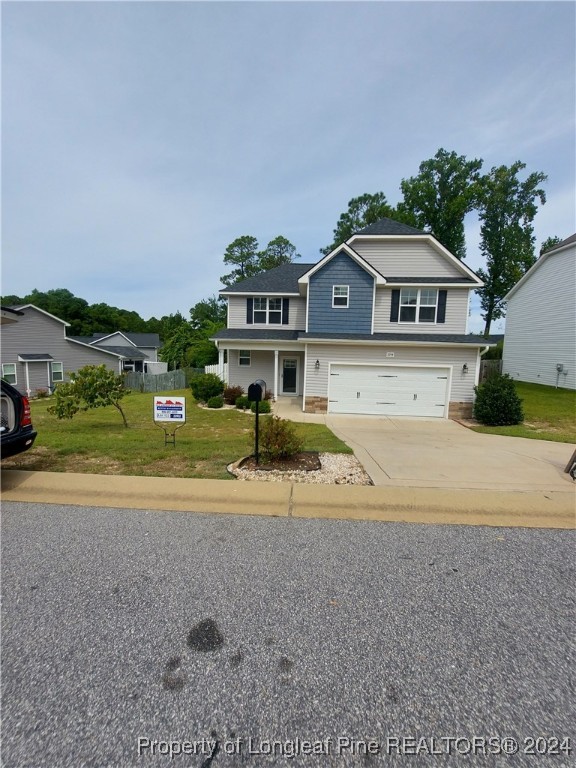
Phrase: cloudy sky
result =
(139, 139)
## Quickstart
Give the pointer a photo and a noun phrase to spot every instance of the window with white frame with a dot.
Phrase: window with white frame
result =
(340, 294)
(418, 305)
(9, 372)
(243, 357)
(267, 310)
(57, 371)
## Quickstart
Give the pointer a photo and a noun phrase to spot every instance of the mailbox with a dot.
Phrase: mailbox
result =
(256, 391)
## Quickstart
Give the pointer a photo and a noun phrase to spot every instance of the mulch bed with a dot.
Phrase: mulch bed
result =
(307, 461)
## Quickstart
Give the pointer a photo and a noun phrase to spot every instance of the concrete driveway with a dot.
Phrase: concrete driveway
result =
(439, 453)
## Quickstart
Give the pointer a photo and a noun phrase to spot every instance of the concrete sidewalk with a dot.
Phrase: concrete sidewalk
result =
(528, 509)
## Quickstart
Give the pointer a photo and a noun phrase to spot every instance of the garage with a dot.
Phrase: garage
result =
(388, 390)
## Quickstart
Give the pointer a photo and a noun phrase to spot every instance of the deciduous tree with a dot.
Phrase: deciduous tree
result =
(362, 210)
(93, 386)
(508, 206)
(439, 197)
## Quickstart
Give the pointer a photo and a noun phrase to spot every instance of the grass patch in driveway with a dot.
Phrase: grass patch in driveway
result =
(96, 442)
(549, 414)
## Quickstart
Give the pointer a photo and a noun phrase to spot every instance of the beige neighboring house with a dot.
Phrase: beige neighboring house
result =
(36, 354)
(540, 339)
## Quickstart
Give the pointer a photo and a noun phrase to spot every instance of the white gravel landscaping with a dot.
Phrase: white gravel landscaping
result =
(337, 469)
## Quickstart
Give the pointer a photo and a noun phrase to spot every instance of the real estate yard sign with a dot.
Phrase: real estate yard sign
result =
(170, 411)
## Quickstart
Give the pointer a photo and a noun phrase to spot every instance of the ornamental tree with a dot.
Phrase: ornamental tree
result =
(93, 386)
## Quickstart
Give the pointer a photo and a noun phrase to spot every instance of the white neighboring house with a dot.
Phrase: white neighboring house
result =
(540, 340)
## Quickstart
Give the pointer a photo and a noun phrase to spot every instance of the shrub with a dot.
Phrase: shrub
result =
(278, 439)
(263, 407)
(41, 393)
(497, 402)
(231, 394)
(215, 402)
(206, 385)
(242, 402)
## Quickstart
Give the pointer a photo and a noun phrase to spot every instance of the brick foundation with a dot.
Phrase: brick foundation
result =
(316, 405)
(460, 410)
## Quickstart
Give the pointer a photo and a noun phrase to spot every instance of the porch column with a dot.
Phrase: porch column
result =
(275, 374)
(221, 365)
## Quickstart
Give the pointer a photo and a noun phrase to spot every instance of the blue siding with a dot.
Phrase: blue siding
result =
(357, 317)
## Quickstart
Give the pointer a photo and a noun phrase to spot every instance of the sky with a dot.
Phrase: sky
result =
(139, 139)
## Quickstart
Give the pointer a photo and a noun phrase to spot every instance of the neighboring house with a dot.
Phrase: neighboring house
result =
(138, 350)
(540, 341)
(35, 353)
(378, 326)
(8, 315)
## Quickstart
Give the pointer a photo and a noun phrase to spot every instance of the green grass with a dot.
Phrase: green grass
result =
(97, 442)
(549, 414)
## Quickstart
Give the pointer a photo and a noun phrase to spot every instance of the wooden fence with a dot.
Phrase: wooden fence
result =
(155, 382)
(489, 368)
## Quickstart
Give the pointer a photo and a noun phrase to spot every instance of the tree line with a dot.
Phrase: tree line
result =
(437, 199)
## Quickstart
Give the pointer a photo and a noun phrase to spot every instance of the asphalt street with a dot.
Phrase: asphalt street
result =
(226, 640)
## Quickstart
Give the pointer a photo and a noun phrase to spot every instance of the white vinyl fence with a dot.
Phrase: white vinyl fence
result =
(219, 370)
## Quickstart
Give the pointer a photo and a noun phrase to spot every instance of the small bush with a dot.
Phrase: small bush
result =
(242, 402)
(278, 439)
(263, 407)
(231, 394)
(41, 393)
(215, 402)
(497, 402)
(206, 385)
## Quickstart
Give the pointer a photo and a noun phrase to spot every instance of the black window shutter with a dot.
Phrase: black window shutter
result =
(441, 316)
(285, 305)
(249, 312)
(395, 308)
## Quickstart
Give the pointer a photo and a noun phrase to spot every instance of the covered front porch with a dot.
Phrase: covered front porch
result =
(282, 368)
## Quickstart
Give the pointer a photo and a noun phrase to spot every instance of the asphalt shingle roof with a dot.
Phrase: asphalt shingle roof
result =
(265, 334)
(283, 279)
(386, 226)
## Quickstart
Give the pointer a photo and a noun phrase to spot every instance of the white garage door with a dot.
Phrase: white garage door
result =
(388, 390)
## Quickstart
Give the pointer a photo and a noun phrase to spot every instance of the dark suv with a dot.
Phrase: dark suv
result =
(16, 431)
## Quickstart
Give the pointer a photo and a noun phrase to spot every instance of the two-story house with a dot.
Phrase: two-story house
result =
(378, 326)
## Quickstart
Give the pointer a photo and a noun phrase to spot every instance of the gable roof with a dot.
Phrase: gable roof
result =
(386, 226)
(138, 339)
(569, 241)
(281, 280)
(360, 260)
(42, 311)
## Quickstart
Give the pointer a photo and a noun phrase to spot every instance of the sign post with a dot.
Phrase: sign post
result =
(170, 410)
(255, 393)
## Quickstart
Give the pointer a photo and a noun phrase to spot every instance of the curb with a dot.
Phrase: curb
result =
(530, 509)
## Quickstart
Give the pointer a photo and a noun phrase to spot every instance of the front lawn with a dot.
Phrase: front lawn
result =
(96, 441)
(549, 414)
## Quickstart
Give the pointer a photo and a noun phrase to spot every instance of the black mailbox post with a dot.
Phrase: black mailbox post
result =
(256, 392)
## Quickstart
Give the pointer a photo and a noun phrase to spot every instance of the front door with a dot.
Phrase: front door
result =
(290, 376)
